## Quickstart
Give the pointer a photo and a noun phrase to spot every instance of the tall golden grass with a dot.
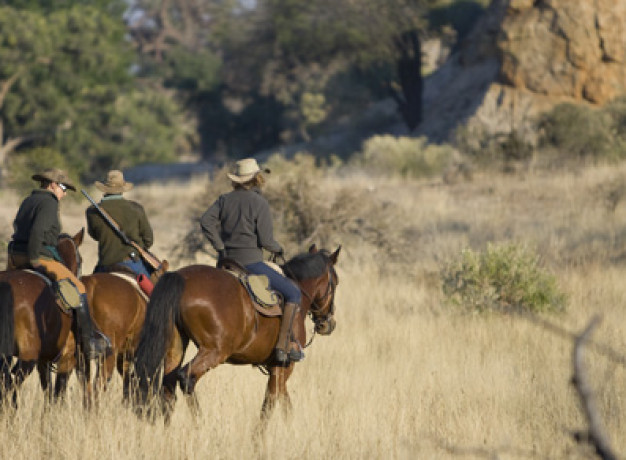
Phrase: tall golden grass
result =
(403, 376)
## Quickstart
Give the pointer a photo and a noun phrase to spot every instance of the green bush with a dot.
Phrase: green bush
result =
(404, 156)
(505, 278)
(580, 131)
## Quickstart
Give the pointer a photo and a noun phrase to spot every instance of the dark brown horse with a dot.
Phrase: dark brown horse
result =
(210, 307)
(33, 329)
(118, 310)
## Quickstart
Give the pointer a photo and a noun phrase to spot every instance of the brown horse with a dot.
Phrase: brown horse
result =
(33, 328)
(210, 307)
(118, 310)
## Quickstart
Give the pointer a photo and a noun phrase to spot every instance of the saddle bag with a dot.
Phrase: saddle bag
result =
(67, 294)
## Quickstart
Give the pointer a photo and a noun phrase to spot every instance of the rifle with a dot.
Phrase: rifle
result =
(146, 255)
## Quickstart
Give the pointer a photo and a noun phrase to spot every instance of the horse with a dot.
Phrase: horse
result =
(210, 307)
(33, 328)
(118, 310)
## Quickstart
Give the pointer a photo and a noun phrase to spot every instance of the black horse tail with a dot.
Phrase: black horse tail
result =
(7, 323)
(161, 314)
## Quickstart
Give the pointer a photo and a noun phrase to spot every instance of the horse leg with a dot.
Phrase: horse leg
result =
(44, 369)
(20, 371)
(104, 373)
(6, 380)
(189, 375)
(60, 385)
(204, 360)
(276, 391)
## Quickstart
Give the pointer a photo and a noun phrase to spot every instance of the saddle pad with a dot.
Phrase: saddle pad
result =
(132, 280)
(258, 286)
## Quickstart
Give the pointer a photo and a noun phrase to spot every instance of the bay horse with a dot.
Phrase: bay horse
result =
(118, 310)
(33, 328)
(211, 307)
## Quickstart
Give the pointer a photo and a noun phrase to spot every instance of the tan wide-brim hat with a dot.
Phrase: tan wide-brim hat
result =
(115, 183)
(245, 170)
(54, 175)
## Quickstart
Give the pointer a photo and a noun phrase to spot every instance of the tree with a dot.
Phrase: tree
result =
(65, 81)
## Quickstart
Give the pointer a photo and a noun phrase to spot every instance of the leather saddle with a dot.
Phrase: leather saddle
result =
(266, 301)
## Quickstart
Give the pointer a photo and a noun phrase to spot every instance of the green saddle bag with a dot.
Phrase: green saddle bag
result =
(67, 294)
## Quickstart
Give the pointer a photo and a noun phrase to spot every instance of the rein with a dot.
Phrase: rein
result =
(315, 308)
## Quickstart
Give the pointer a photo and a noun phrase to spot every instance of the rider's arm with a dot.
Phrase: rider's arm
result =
(265, 229)
(210, 224)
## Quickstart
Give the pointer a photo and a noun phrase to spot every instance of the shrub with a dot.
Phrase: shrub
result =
(404, 156)
(505, 278)
(579, 131)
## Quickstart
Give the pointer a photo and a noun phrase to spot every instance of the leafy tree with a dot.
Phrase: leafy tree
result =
(66, 84)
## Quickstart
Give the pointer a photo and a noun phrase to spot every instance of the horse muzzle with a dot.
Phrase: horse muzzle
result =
(325, 326)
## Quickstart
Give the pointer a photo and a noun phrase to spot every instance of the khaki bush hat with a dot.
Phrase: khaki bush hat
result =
(54, 175)
(115, 183)
(245, 170)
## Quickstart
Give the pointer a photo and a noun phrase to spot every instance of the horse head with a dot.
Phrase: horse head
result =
(318, 280)
(68, 250)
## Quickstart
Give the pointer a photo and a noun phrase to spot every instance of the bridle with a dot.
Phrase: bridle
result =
(323, 320)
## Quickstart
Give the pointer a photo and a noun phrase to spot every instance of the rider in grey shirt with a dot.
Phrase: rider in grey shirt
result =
(239, 226)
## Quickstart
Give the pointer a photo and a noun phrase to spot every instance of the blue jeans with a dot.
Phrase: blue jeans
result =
(279, 283)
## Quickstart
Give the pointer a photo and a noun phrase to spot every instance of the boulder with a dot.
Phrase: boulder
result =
(522, 58)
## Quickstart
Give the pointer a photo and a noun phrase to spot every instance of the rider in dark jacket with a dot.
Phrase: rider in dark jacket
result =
(33, 245)
(239, 226)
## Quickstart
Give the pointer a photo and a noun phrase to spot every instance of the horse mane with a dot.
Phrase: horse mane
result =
(307, 265)
(64, 235)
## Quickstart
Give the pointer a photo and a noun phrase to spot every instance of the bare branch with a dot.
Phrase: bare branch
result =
(601, 349)
(597, 434)
(6, 85)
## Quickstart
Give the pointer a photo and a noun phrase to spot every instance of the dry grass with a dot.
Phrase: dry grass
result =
(402, 376)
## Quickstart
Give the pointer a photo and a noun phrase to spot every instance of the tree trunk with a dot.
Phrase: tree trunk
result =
(409, 94)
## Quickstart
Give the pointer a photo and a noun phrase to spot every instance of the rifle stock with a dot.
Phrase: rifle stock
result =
(146, 255)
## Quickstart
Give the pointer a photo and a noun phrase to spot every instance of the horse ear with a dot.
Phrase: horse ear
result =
(313, 248)
(78, 238)
(334, 255)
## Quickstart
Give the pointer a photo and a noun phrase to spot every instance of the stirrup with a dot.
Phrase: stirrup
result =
(98, 345)
(281, 356)
(295, 353)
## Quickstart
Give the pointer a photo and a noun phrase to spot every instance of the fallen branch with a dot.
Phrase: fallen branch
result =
(596, 435)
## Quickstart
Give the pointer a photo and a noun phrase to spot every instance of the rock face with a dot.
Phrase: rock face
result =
(525, 56)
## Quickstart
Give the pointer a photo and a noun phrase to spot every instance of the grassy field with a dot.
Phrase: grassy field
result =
(404, 375)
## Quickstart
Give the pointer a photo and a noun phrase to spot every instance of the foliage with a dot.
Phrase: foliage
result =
(489, 149)
(404, 156)
(505, 278)
(73, 91)
(576, 131)
(460, 15)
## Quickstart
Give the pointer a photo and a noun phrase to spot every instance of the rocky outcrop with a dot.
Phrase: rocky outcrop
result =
(525, 56)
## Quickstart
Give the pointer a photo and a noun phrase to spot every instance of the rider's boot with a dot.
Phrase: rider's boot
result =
(286, 351)
(95, 344)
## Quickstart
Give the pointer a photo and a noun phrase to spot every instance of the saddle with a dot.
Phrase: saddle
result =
(140, 282)
(265, 301)
(65, 291)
